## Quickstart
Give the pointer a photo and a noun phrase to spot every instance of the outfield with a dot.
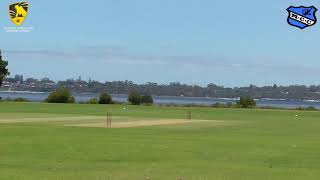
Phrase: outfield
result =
(69, 142)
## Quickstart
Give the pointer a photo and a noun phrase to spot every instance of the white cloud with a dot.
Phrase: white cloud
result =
(121, 55)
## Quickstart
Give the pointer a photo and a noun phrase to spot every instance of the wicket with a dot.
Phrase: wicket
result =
(109, 119)
(189, 117)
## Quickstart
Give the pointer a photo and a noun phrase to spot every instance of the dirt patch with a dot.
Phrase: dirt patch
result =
(142, 123)
(100, 121)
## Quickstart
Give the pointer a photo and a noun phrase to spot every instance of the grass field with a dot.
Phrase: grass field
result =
(53, 142)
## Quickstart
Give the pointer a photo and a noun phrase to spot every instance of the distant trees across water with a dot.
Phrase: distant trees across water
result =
(297, 92)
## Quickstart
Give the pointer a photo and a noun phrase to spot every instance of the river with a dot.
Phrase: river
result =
(40, 96)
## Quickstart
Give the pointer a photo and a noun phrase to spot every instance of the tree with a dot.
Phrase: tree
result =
(247, 102)
(3, 70)
(93, 101)
(18, 78)
(135, 98)
(147, 99)
(105, 98)
(62, 95)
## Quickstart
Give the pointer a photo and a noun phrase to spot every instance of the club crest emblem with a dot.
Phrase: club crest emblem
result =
(18, 12)
(302, 16)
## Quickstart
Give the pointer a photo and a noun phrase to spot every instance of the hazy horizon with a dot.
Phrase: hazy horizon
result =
(159, 83)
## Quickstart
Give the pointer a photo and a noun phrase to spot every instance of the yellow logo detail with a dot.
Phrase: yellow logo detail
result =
(18, 12)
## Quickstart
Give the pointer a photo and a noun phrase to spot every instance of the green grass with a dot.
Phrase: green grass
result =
(264, 144)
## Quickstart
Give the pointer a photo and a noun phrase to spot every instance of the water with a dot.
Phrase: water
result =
(38, 97)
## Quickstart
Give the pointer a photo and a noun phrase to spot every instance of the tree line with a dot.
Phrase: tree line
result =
(296, 92)
(63, 95)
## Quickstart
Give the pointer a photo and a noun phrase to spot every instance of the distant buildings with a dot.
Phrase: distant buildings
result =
(297, 92)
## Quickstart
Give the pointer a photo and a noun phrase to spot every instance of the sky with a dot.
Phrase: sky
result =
(229, 43)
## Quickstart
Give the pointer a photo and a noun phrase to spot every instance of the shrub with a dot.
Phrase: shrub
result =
(20, 99)
(146, 99)
(71, 99)
(105, 98)
(92, 101)
(219, 105)
(247, 102)
(62, 95)
(134, 98)
(310, 108)
(229, 105)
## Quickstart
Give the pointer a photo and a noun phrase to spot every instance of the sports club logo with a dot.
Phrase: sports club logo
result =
(302, 16)
(18, 12)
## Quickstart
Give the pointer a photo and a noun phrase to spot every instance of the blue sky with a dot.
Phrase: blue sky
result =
(230, 43)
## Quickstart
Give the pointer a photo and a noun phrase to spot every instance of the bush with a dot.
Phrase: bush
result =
(229, 105)
(62, 95)
(146, 99)
(72, 99)
(105, 98)
(247, 102)
(310, 108)
(92, 101)
(20, 99)
(134, 98)
(219, 105)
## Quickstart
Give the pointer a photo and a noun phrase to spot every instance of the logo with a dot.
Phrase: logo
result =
(18, 12)
(302, 16)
